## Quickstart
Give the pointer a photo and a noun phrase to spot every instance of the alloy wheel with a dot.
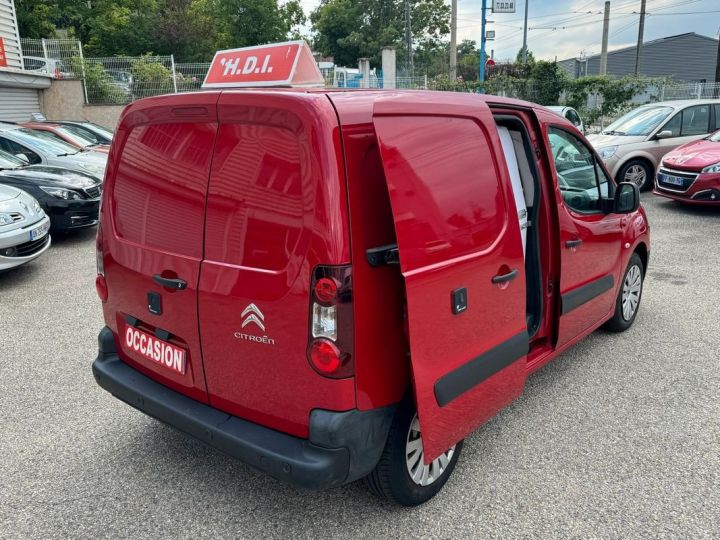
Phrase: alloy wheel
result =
(423, 474)
(632, 287)
(637, 175)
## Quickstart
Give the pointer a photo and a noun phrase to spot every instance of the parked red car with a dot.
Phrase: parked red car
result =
(338, 285)
(691, 172)
(70, 134)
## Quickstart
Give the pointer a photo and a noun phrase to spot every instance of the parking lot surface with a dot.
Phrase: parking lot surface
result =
(619, 437)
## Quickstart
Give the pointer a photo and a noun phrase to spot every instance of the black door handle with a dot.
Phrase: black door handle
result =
(504, 278)
(170, 283)
(573, 243)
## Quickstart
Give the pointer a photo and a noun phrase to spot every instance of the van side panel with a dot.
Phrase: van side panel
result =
(152, 219)
(276, 209)
(382, 371)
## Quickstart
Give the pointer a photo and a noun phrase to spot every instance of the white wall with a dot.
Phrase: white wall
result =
(9, 33)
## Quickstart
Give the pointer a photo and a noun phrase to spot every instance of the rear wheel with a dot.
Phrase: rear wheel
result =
(628, 300)
(401, 474)
(638, 172)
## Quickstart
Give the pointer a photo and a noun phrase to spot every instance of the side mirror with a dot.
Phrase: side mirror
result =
(23, 157)
(627, 198)
(665, 134)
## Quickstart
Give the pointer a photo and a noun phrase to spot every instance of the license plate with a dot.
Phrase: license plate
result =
(674, 180)
(40, 231)
(156, 350)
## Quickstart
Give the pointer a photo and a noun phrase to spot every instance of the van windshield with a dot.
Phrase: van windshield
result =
(641, 121)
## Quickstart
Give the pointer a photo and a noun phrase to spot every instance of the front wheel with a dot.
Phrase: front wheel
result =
(628, 300)
(401, 475)
(638, 172)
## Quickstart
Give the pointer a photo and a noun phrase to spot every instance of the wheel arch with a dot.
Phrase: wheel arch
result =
(642, 250)
(638, 157)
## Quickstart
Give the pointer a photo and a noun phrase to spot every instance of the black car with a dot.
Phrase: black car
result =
(89, 130)
(70, 198)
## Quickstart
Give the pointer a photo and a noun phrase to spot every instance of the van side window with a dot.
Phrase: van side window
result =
(451, 201)
(160, 185)
(577, 172)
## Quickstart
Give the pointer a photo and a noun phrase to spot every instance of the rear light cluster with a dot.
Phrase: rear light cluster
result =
(330, 348)
(100, 283)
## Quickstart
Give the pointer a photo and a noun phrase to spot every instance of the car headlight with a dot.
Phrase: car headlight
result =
(5, 219)
(712, 168)
(36, 207)
(60, 193)
(607, 152)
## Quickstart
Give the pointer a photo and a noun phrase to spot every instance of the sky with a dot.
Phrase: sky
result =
(567, 28)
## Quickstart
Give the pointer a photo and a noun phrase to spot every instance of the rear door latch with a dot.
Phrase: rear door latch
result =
(383, 255)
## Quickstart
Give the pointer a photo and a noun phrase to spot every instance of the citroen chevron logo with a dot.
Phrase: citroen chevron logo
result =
(252, 314)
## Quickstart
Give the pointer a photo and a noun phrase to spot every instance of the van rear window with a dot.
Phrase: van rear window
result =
(256, 203)
(160, 186)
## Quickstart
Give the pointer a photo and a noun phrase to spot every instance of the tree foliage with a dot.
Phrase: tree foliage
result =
(352, 29)
(192, 30)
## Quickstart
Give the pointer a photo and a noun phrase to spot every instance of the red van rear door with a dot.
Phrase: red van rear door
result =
(275, 211)
(461, 258)
(157, 183)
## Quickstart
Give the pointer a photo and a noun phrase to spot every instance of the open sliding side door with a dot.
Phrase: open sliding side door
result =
(462, 260)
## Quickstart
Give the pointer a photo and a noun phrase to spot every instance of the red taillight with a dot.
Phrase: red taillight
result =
(326, 290)
(99, 251)
(100, 283)
(330, 339)
(325, 356)
(101, 287)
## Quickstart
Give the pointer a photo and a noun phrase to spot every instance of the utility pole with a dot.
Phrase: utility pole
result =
(641, 29)
(453, 40)
(606, 28)
(408, 39)
(482, 42)
(524, 49)
(717, 72)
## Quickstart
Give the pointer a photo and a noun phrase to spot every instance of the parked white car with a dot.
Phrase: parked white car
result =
(23, 228)
(49, 66)
(569, 114)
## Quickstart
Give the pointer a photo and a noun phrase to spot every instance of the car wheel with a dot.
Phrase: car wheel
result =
(628, 300)
(401, 475)
(638, 172)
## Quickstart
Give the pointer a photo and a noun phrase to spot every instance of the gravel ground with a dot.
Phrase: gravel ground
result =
(619, 437)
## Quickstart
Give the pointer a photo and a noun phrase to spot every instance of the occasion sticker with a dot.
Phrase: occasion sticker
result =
(157, 350)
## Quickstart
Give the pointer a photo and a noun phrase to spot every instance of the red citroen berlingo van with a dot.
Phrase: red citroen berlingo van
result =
(335, 285)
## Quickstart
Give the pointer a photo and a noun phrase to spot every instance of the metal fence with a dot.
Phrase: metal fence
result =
(51, 56)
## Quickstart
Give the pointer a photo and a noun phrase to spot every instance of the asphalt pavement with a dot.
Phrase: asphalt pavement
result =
(618, 438)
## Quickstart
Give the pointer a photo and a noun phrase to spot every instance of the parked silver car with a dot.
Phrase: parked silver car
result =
(32, 147)
(23, 228)
(633, 145)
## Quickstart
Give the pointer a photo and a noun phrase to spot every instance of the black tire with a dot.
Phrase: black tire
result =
(632, 165)
(619, 322)
(391, 479)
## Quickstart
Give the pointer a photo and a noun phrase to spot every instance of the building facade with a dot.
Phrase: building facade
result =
(19, 89)
(687, 57)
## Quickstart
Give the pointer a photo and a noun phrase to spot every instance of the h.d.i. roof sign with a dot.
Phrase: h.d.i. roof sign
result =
(278, 64)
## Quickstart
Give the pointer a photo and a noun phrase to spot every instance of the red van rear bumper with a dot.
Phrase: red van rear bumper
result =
(343, 446)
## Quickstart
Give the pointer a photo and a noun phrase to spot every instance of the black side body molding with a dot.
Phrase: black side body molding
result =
(466, 377)
(581, 295)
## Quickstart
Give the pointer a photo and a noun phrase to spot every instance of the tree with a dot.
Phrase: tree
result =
(519, 57)
(352, 29)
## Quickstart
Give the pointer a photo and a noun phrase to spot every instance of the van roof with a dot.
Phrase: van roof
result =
(352, 104)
